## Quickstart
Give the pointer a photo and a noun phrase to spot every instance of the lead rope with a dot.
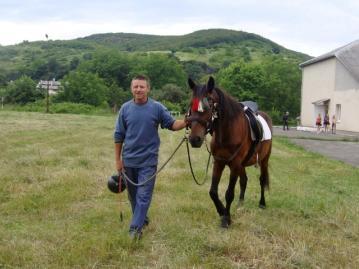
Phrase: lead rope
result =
(120, 199)
(190, 165)
(127, 179)
(159, 170)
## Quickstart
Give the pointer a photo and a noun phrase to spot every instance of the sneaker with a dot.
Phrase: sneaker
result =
(147, 221)
(135, 235)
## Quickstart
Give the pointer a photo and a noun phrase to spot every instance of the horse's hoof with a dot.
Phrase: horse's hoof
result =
(262, 206)
(240, 204)
(225, 222)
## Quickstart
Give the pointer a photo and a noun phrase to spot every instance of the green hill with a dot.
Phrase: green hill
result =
(215, 48)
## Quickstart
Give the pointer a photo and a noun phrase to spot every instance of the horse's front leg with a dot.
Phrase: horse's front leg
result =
(213, 192)
(243, 184)
(226, 218)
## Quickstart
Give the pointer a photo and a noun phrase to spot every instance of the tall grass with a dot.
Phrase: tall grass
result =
(56, 211)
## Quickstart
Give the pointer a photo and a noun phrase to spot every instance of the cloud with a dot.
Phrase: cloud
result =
(312, 27)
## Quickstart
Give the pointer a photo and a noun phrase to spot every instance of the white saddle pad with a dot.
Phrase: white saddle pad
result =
(267, 134)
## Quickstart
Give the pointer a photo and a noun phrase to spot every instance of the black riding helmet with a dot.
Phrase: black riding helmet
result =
(113, 184)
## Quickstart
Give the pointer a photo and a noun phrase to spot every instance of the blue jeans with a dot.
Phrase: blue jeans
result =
(140, 196)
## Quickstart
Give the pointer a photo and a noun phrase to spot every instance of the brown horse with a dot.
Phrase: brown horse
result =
(216, 112)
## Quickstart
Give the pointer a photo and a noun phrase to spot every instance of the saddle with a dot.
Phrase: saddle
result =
(251, 109)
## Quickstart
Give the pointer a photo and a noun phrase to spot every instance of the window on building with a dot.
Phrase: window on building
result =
(338, 111)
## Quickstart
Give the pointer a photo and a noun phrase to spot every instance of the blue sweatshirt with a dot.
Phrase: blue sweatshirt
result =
(137, 128)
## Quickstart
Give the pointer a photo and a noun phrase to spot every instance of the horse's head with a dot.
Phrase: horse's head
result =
(202, 111)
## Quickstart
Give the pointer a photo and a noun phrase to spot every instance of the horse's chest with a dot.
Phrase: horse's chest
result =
(225, 152)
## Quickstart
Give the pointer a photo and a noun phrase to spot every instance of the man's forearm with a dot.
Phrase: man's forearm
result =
(118, 150)
(178, 125)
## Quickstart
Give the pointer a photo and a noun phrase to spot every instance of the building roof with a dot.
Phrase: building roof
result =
(348, 55)
(321, 102)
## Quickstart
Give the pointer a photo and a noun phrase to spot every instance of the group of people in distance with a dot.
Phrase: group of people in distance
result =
(326, 123)
(318, 122)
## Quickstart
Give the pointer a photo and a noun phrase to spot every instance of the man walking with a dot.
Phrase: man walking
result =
(285, 121)
(136, 147)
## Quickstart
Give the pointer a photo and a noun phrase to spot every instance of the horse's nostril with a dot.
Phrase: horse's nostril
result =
(196, 141)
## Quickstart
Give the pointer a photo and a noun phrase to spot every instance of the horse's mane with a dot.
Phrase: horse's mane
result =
(229, 107)
(228, 110)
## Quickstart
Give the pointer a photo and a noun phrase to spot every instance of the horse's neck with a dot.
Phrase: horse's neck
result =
(228, 132)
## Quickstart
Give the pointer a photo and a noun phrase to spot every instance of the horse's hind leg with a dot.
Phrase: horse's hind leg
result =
(226, 218)
(243, 184)
(264, 181)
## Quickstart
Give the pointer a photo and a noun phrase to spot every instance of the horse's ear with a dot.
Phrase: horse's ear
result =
(191, 84)
(210, 84)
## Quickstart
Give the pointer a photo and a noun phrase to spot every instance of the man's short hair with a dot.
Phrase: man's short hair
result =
(142, 77)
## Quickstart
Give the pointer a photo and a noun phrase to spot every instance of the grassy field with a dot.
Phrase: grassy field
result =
(56, 211)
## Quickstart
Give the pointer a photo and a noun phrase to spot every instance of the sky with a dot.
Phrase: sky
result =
(307, 26)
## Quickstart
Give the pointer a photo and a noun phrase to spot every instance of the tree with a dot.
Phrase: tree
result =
(284, 83)
(243, 81)
(45, 69)
(171, 93)
(116, 96)
(111, 66)
(23, 90)
(74, 63)
(3, 94)
(2, 78)
(196, 70)
(161, 69)
(82, 87)
(274, 84)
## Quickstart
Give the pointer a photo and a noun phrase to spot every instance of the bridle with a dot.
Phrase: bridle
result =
(210, 123)
(208, 104)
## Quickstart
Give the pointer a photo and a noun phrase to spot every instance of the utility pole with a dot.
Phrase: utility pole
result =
(48, 84)
(47, 96)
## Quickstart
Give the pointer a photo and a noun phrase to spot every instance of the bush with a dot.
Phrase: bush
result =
(22, 91)
(171, 106)
(276, 116)
(65, 107)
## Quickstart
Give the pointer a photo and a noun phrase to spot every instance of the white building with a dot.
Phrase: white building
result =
(53, 85)
(330, 84)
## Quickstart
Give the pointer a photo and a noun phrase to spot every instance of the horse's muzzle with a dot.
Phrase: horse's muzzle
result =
(195, 141)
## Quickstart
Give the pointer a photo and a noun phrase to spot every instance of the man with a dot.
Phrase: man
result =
(137, 144)
(285, 121)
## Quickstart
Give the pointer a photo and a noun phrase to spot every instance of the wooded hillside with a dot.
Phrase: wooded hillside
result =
(114, 57)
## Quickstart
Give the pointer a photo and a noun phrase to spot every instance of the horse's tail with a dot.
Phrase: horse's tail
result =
(267, 152)
(264, 177)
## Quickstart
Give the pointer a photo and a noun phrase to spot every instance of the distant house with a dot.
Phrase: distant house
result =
(53, 85)
(330, 84)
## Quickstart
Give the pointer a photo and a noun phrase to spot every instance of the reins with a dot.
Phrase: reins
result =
(185, 138)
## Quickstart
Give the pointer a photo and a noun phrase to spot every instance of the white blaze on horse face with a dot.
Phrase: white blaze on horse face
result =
(200, 106)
